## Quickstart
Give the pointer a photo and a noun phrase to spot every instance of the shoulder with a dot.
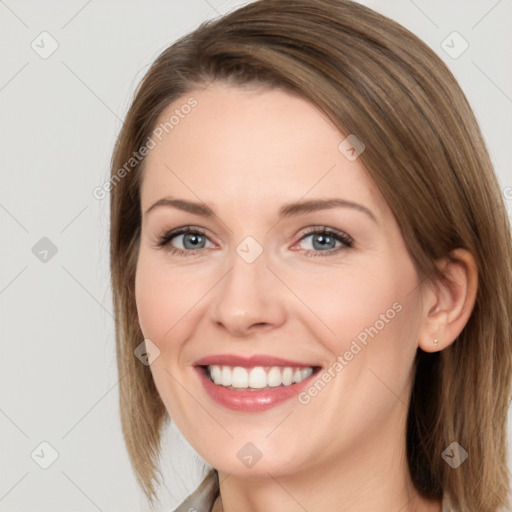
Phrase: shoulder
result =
(202, 499)
(446, 504)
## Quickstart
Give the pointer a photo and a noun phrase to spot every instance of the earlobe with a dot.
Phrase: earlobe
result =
(449, 301)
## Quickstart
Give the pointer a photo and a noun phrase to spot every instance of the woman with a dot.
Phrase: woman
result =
(309, 245)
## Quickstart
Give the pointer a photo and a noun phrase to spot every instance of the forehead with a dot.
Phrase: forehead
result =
(259, 144)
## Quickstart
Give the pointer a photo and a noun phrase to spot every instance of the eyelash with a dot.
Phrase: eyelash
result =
(339, 236)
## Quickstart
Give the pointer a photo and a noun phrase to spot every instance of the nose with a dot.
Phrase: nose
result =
(249, 299)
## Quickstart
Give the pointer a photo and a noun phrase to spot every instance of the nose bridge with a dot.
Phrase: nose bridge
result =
(249, 294)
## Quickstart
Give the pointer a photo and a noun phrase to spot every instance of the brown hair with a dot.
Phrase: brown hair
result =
(424, 150)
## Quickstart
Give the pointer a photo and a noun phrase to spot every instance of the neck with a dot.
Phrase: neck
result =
(327, 492)
(372, 477)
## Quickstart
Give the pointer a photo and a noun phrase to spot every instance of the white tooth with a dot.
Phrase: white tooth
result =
(297, 376)
(258, 378)
(306, 372)
(274, 377)
(226, 376)
(287, 376)
(239, 377)
(215, 373)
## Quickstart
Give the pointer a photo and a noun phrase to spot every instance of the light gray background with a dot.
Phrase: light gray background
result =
(60, 116)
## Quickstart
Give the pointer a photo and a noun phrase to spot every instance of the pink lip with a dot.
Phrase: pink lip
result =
(250, 401)
(247, 362)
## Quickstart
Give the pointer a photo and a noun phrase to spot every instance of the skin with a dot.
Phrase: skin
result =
(246, 152)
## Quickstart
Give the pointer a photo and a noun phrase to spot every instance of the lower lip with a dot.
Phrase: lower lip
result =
(251, 401)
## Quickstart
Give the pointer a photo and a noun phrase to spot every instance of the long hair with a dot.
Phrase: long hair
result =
(425, 152)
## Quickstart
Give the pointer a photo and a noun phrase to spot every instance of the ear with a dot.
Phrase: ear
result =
(449, 301)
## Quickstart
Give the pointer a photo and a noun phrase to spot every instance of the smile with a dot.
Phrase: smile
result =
(258, 377)
(253, 384)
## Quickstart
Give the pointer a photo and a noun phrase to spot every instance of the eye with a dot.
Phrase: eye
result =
(191, 240)
(324, 241)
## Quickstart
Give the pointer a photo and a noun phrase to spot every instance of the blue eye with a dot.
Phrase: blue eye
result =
(324, 241)
(192, 239)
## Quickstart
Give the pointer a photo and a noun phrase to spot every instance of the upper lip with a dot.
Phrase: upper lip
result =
(249, 362)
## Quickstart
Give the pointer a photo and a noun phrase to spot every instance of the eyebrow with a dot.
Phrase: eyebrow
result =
(287, 210)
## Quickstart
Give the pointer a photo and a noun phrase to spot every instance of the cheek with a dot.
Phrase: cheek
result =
(369, 308)
(159, 299)
(348, 300)
(170, 299)
(163, 302)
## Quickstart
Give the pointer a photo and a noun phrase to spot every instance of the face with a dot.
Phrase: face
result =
(287, 325)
